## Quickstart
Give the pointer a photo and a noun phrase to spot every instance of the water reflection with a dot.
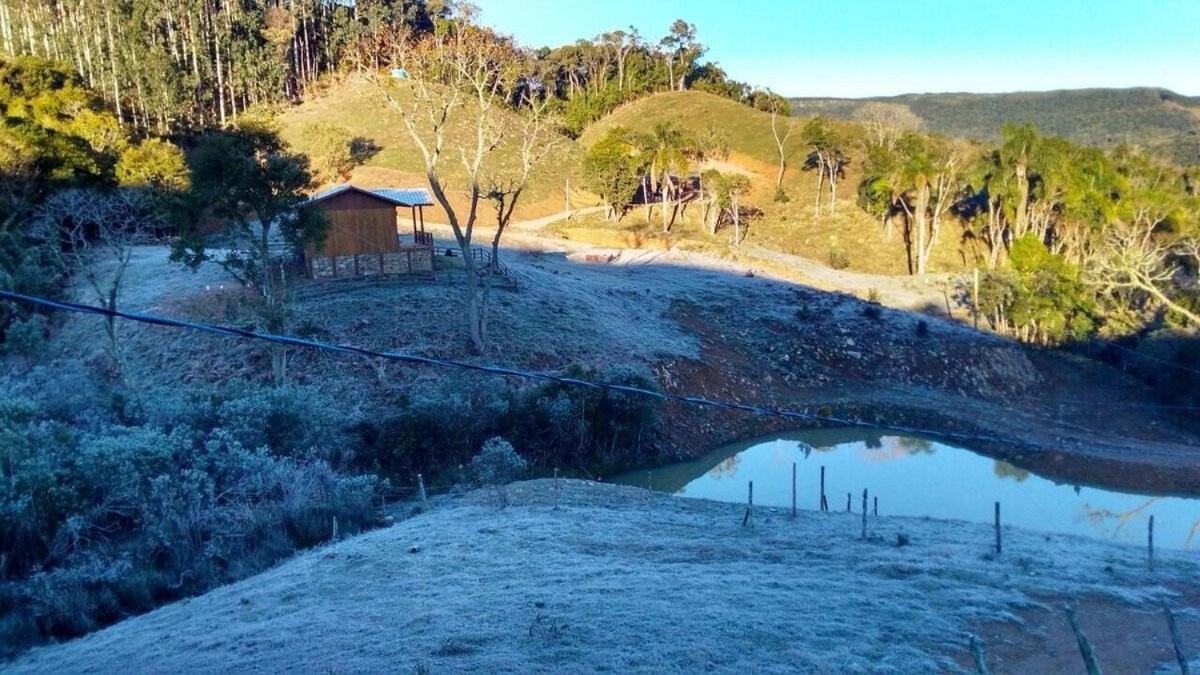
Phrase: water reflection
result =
(919, 477)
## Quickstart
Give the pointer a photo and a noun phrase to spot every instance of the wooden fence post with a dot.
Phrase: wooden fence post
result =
(1150, 543)
(823, 505)
(1085, 647)
(997, 528)
(864, 514)
(556, 489)
(421, 487)
(875, 510)
(977, 655)
(848, 503)
(1176, 642)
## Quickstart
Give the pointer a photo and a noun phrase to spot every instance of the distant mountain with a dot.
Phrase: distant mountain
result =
(1157, 119)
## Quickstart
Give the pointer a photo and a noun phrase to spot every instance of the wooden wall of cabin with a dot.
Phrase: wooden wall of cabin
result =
(358, 223)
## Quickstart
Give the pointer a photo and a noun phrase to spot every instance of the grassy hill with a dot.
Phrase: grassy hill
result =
(790, 227)
(354, 105)
(1157, 119)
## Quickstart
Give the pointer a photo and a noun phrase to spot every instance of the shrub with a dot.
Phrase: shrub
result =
(838, 259)
(26, 337)
(599, 429)
(99, 525)
(781, 196)
(497, 465)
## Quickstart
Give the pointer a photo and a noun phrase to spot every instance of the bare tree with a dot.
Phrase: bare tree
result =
(779, 105)
(467, 72)
(96, 234)
(1132, 261)
(536, 139)
(886, 122)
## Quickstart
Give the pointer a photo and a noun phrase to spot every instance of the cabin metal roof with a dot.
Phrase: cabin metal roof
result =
(409, 196)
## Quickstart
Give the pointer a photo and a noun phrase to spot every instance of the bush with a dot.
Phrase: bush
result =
(96, 526)
(838, 259)
(26, 337)
(497, 465)
(553, 424)
(781, 196)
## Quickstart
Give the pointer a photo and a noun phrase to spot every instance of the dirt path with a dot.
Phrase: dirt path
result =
(595, 577)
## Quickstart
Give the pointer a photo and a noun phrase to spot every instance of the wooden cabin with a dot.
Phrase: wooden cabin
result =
(368, 235)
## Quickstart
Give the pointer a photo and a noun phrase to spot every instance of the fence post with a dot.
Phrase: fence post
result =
(1150, 543)
(823, 505)
(793, 489)
(1176, 641)
(997, 528)
(1085, 647)
(977, 655)
(556, 490)
(875, 510)
(421, 487)
(864, 514)
(848, 503)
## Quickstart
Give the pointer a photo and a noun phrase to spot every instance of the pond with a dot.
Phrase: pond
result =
(919, 477)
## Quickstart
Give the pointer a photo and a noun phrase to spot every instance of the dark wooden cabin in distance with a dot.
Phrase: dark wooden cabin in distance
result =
(366, 236)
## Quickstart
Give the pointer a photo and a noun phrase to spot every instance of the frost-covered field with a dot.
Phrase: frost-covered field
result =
(619, 579)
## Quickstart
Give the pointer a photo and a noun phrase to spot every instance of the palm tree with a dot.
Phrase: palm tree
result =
(668, 151)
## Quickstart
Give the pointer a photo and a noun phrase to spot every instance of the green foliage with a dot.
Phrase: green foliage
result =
(248, 180)
(153, 163)
(585, 107)
(54, 135)
(612, 168)
(1042, 296)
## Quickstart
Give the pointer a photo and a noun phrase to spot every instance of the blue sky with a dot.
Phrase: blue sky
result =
(880, 47)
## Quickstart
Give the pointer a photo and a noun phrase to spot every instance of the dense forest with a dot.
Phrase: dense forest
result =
(168, 66)
(1158, 119)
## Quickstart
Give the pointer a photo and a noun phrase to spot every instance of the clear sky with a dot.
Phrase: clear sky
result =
(881, 47)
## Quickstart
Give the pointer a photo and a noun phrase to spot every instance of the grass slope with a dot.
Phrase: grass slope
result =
(1158, 119)
(355, 105)
(792, 227)
(602, 577)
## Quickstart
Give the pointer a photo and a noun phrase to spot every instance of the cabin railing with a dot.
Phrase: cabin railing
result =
(423, 239)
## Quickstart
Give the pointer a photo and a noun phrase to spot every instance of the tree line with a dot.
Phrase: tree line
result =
(172, 65)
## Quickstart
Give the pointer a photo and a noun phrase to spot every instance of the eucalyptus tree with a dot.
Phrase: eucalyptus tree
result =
(931, 175)
(680, 50)
(827, 156)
